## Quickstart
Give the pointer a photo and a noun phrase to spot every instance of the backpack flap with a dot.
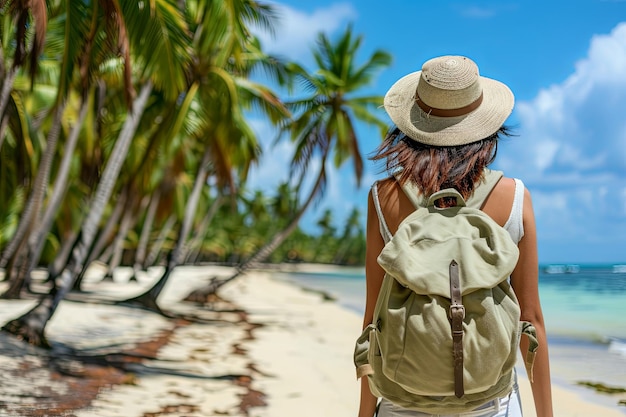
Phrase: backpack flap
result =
(427, 240)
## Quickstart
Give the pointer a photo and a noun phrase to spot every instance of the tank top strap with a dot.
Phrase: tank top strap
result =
(384, 229)
(515, 223)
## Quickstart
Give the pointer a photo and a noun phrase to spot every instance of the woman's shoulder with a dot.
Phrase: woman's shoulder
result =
(387, 188)
(510, 186)
(499, 203)
(393, 201)
(506, 184)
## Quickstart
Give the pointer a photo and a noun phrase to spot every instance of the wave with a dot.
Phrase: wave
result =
(618, 347)
(619, 269)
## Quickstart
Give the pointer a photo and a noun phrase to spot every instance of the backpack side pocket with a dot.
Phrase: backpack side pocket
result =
(362, 352)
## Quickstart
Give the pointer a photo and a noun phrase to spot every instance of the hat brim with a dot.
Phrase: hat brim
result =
(400, 104)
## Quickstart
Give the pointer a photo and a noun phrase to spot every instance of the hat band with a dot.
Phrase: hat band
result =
(461, 111)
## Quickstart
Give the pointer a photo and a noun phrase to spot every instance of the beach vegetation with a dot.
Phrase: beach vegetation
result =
(603, 388)
(125, 139)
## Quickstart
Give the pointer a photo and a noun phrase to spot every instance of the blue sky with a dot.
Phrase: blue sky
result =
(566, 64)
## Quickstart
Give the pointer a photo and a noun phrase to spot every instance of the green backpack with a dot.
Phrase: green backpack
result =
(446, 326)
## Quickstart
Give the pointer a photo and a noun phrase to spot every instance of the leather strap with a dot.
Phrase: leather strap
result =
(457, 314)
(461, 111)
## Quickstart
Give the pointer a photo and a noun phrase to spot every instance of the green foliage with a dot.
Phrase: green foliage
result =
(200, 60)
(239, 231)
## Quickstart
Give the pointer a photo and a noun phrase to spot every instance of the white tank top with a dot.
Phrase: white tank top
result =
(515, 225)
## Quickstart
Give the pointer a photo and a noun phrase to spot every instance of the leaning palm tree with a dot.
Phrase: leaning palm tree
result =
(225, 55)
(323, 127)
(79, 40)
(164, 22)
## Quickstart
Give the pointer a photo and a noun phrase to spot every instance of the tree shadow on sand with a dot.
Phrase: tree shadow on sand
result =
(37, 382)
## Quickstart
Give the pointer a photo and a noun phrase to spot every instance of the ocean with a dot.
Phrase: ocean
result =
(584, 309)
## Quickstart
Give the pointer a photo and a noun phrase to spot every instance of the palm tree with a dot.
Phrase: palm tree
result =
(73, 36)
(323, 127)
(225, 55)
(168, 29)
(31, 325)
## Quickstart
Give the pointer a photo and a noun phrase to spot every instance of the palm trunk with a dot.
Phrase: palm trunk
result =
(103, 239)
(56, 266)
(31, 326)
(198, 237)
(149, 298)
(15, 276)
(118, 243)
(142, 245)
(200, 295)
(30, 215)
(155, 250)
(7, 87)
(20, 247)
(38, 238)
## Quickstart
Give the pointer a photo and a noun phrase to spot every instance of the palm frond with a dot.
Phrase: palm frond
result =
(261, 97)
(159, 35)
(252, 12)
(116, 25)
(364, 74)
(76, 32)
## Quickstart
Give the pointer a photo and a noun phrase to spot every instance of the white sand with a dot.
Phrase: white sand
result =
(300, 358)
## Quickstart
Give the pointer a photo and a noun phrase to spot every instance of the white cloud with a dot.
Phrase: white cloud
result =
(578, 124)
(297, 31)
(572, 147)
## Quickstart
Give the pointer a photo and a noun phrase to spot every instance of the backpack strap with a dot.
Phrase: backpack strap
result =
(476, 200)
(457, 314)
(384, 229)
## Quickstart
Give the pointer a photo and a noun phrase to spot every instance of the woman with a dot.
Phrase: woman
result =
(448, 120)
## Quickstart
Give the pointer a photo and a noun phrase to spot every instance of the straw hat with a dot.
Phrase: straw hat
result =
(448, 103)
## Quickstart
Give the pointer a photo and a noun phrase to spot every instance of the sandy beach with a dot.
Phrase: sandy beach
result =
(268, 348)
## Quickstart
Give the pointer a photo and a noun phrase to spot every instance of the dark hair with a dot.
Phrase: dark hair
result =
(434, 168)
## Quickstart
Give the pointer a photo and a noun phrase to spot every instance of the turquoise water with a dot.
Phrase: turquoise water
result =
(584, 308)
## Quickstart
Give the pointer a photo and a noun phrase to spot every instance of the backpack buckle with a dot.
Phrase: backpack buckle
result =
(456, 307)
